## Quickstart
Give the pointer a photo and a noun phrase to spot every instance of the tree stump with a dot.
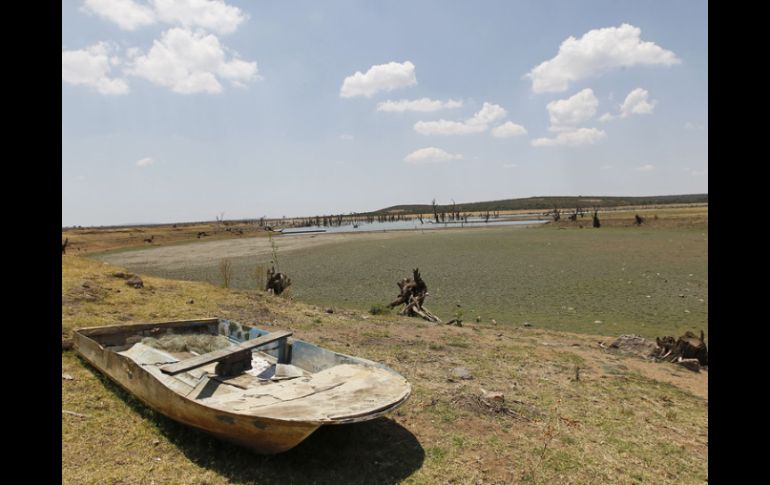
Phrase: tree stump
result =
(276, 282)
(412, 295)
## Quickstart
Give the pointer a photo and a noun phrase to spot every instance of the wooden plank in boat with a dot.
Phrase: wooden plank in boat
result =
(217, 355)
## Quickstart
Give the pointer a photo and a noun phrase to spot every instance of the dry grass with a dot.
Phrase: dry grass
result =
(625, 421)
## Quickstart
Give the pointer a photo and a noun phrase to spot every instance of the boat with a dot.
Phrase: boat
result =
(265, 391)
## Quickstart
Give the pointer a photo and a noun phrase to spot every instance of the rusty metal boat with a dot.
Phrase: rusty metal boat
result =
(263, 390)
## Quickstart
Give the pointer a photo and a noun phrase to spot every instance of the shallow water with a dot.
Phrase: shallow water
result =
(411, 224)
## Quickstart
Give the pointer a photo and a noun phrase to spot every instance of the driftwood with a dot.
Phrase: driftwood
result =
(412, 295)
(688, 346)
(276, 282)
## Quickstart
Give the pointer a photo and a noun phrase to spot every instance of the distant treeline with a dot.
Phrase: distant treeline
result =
(546, 203)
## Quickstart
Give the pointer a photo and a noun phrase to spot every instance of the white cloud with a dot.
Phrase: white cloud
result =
(645, 168)
(606, 117)
(91, 67)
(636, 103)
(422, 105)
(567, 113)
(509, 129)
(431, 155)
(488, 114)
(127, 14)
(191, 62)
(509, 165)
(346, 136)
(444, 127)
(214, 15)
(694, 126)
(597, 52)
(145, 162)
(581, 136)
(382, 77)
(700, 172)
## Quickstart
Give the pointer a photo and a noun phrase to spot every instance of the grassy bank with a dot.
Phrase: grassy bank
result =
(623, 421)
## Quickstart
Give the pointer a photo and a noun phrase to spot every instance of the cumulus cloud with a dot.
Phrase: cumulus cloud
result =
(488, 114)
(191, 62)
(567, 113)
(127, 14)
(431, 155)
(213, 15)
(597, 52)
(91, 67)
(382, 77)
(636, 103)
(645, 168)
(423, 105)
(581, 136)
(509, 129)
(145, 162)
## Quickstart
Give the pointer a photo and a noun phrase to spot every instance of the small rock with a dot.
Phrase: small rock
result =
(478, 319)
(190, 301)
(135, 282)
(119, 274)
(681, 295)
(156, 442)
(527, 324)
(461, 373)
(86, 284)
(67, 377)
(494, 322)
(597, 321)
(329, 310)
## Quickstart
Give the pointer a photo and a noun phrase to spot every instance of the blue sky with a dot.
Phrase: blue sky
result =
(179, 110)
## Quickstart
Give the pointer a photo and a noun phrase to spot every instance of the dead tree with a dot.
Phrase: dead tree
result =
(556, 214)
(688, 346)
(276, 282)
(435, 210)
(638, 220)
(597, 223)
(412, 295)
(64, 245)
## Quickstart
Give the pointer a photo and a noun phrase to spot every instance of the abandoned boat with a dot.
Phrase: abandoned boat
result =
(263, 390)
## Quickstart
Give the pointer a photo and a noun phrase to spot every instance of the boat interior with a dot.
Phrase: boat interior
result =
(246, 370)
